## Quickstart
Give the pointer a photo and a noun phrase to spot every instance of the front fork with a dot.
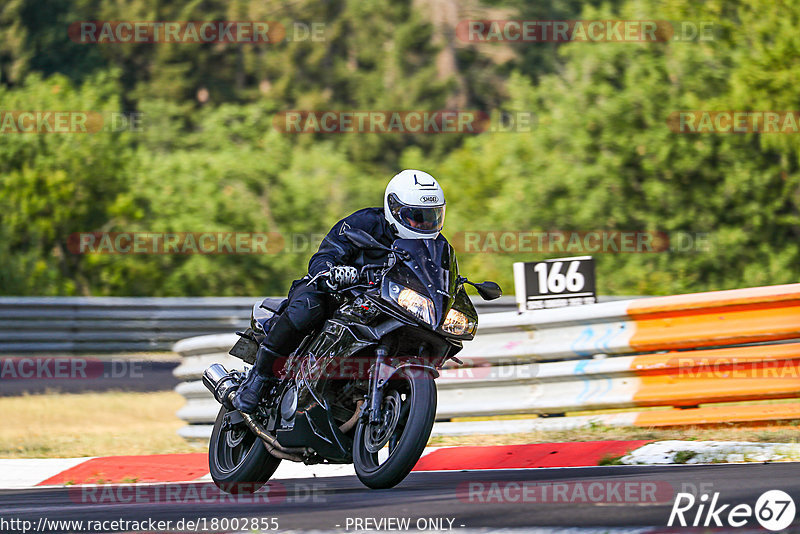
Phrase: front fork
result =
(380, 373)
(378, 377)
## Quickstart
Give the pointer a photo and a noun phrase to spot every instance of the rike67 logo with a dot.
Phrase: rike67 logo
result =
(774, 510)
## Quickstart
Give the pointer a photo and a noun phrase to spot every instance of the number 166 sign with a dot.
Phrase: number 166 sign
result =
(554, 283)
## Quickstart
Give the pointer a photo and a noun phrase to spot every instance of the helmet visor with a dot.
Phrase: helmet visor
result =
(422, 219)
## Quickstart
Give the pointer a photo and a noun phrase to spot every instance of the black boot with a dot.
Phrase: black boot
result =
(257, 383)
(250, 391)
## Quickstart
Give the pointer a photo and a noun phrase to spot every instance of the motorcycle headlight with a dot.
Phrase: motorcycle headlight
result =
(458, 324)
(417, 305)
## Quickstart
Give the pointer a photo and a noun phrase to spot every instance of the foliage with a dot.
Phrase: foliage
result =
(599, 157)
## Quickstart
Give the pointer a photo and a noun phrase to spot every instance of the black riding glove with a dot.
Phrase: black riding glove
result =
(341, 276)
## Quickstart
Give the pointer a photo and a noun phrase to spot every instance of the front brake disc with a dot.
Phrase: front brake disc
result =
(378, 435)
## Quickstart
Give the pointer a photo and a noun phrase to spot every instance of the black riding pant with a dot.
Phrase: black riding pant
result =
(306, 310)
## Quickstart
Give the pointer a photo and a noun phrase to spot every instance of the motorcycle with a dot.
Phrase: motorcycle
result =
(360, 389)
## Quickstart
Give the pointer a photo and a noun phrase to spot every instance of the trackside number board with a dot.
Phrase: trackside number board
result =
(554, 283)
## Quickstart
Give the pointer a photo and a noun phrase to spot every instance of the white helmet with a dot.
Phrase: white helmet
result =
(414, 205)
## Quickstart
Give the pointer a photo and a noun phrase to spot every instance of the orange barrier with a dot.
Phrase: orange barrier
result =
(718, 375)
(711, 415)
(716, 358)
(716, 318)
(694, 351)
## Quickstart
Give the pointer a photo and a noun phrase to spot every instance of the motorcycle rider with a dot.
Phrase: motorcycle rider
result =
(413, 208)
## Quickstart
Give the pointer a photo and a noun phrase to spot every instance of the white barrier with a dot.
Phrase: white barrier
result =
(570, 359)
(503, 338)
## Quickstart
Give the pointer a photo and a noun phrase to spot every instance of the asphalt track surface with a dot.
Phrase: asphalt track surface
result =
(334, 504)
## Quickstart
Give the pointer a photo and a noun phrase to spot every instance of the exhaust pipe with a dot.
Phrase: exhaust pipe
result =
(350, 423)
(271, 443)
(221, 384)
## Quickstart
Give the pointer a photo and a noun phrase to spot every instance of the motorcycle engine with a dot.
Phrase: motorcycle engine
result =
(288, 405)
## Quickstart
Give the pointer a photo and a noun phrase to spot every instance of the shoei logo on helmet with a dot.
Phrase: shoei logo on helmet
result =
(429, 199)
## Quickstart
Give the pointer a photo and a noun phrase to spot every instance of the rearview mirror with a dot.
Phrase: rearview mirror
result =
(488, 290)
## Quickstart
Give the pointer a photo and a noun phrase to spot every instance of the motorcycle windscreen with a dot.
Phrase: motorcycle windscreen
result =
(432, 270)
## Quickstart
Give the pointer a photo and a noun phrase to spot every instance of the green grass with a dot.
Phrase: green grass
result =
(682, 457)
(611, 460)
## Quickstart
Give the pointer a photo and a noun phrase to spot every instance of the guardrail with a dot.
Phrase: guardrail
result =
(685, 354)
(126, 324)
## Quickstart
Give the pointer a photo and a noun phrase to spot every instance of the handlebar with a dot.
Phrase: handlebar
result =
(364, 276)
(365, 273)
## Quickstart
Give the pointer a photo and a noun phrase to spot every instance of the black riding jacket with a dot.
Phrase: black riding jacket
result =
(336, 249)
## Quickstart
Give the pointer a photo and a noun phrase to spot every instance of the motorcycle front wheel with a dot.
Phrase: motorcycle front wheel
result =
(384, 453)
(237, 458)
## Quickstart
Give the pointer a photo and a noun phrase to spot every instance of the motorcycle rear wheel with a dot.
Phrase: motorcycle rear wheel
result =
(237, 458)
(384, 454)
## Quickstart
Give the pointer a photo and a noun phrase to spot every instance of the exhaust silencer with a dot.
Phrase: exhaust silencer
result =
(221, 384)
